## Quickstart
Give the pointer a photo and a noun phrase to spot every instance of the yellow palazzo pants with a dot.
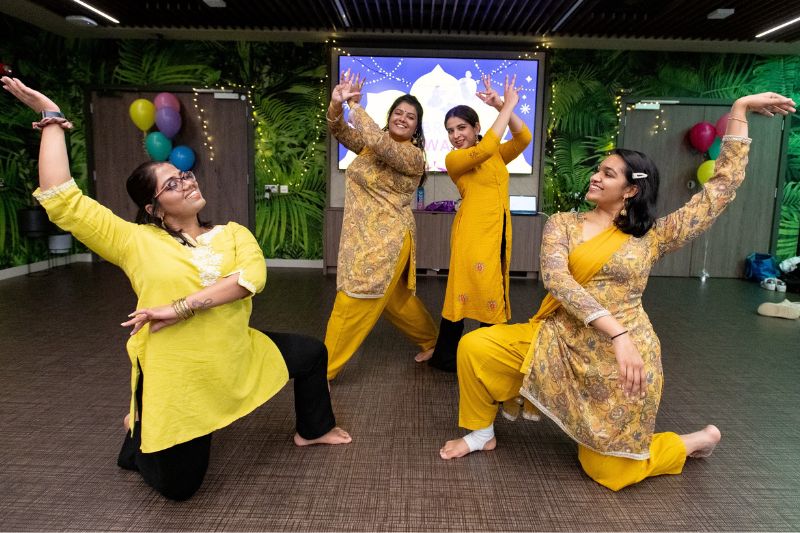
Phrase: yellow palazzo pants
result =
(353, 318)
(489, 360)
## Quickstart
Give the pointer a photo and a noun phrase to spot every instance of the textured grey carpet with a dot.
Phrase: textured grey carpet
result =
(64, 381)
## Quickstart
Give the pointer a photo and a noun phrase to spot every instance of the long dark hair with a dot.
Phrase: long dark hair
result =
(465, 113)
(141, 186)
(640, 209)
(418, 137)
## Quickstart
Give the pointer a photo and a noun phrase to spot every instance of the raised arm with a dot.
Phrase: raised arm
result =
(505, 106)
(53, 160)
(96, 226)
(348, 88)
(691, 220)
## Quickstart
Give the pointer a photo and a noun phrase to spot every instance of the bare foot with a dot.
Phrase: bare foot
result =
(423, 356)
(126, 422)
(459, 448)
(701, 443)
(335, 436)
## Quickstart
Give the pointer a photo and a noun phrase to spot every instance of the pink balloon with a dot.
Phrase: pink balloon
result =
(163, 100)
(702, 136)
(722, 124)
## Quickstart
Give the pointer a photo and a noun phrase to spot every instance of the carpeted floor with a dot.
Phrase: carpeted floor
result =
(64, 379)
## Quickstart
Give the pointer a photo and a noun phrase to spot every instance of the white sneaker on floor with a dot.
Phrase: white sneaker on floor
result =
(785, 309)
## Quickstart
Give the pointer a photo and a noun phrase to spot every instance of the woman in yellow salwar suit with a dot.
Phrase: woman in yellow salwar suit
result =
(589, 359)
(205, 367)
(376, 267)
(480, 242)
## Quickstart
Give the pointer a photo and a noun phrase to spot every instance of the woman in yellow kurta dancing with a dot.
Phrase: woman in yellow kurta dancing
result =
(204, 367)
(589, 359)
(480, 241)
(376, 268)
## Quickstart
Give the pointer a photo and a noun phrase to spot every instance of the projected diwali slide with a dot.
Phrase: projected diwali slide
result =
(440, 84)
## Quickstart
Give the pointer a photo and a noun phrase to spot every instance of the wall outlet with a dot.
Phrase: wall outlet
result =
(284, 189)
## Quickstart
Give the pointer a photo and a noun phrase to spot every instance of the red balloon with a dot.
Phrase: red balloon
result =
(163, 100)
(722, 125)
(702, 136)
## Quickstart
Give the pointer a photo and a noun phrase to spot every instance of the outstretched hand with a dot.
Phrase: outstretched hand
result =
(348, 89)
(158, 318)
(490, 96)
(768, 104)
(31, 98)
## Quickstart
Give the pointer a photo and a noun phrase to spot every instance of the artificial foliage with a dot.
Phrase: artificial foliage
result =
(287, 89)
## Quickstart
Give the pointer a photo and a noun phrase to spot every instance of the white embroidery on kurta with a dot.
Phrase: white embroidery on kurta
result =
(207, 261)
(54, 191)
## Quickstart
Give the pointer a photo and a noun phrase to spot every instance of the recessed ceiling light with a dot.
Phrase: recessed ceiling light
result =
(776, 28)
(215, 3)
(94, 9)
(720, 14)
(80, 20)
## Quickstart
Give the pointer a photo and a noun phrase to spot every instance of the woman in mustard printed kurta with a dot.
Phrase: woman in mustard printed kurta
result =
(376, 268)
(196, 364)
(589, 359)
(480, 241)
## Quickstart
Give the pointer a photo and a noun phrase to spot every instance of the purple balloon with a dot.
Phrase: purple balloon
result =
(701, 136)
(168, 121)
(163, 100)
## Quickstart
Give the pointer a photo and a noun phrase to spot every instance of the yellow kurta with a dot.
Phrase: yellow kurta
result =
(477, 284)
(379, 186)
(201, 374)
(572, 376)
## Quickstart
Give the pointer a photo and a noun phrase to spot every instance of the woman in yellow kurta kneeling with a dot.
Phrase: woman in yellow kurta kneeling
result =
(376, 268)
(589, 359)
(204, 366)
(480, 241)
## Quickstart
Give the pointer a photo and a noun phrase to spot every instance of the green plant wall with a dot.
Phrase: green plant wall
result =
(288, 91)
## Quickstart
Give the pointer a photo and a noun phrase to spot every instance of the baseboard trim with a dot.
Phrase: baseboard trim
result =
(39, 266)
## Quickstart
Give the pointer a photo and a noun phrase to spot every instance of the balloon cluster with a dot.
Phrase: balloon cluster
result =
(165, 113)
(707, 138)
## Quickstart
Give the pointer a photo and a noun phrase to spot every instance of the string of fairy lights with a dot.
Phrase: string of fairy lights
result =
(208, 139)
(261, 132)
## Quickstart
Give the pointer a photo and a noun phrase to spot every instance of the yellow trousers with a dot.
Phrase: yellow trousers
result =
(489, 360)
(353, 318)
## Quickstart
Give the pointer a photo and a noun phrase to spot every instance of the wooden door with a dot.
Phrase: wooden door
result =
(746, 225)
(117, 147)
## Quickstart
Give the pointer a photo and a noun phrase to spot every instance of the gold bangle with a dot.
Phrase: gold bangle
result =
(182, 309)
(731, 117)
(327, 117)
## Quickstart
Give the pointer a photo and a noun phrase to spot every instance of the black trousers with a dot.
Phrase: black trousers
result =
(177, 472)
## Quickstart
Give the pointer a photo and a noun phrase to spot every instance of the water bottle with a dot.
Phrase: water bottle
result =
(420, 198)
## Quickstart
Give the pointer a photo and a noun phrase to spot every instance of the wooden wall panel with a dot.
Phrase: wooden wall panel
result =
(433, 241)
(117, 147)
(746, 226)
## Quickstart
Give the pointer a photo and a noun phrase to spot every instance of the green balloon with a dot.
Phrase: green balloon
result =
(713, 150)
(158, 146)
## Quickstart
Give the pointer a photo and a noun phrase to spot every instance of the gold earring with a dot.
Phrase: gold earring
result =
(623, 212)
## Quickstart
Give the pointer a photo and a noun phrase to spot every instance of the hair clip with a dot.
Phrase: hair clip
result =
(639, 175)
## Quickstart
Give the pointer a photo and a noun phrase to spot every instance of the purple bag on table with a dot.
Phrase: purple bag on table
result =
(445, 206)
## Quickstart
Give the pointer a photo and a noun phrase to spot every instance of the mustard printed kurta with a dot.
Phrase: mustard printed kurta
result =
(477, 284)
(379, 186)
(201, 374)
(573, 373)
